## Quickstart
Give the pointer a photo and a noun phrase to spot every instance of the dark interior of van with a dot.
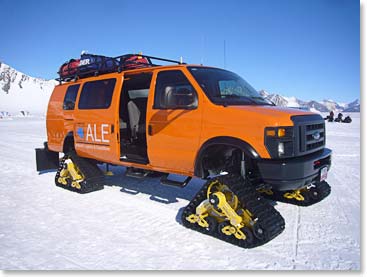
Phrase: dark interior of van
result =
(133, 108)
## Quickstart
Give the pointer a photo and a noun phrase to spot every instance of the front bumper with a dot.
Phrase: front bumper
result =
(294, 173)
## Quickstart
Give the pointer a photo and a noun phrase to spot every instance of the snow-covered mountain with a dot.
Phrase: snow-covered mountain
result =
(353, 107)
(317, 106)
(21, 94)
(323, 106)
(332, 105)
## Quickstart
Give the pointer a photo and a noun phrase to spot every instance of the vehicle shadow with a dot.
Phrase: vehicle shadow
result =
(152, 186)
(46, 171)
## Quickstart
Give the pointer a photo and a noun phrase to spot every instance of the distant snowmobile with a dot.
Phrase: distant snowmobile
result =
(347, 119)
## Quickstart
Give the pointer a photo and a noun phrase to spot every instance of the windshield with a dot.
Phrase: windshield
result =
(226, 88)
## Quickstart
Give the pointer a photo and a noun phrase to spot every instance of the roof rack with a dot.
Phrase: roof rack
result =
(104, 65)
(154, 58)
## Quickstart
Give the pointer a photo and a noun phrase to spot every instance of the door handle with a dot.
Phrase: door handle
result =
(112, 128)
(150, 130)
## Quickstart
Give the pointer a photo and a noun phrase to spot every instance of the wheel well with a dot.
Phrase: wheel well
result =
(224, 154)
(68, 143)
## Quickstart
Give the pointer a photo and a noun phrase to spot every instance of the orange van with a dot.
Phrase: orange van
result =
(195, 121)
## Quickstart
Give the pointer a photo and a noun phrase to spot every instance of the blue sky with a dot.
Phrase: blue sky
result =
(309, 49)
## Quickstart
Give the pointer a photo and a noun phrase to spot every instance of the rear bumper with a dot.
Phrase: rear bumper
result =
(294, 173)
(46, 159)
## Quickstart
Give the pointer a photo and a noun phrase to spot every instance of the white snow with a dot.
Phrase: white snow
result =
(135, 224)
(292, 101)
(314, 110)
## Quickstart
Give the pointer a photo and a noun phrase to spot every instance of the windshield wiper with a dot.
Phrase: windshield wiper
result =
(264, 100)
(231, 96)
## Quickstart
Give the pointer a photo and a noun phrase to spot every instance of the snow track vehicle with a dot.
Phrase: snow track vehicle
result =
(191, 120)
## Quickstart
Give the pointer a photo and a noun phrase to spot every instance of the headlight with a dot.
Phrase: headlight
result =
(281, 148)
(279, 141)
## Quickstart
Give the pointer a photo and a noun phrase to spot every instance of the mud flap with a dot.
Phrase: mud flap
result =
(46, 159)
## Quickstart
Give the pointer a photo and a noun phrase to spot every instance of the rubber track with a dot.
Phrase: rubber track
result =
(93, 175)
(322, 190)
(269, 218)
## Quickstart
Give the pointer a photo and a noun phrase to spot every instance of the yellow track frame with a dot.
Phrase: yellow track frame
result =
(71, 172)
(223, 205)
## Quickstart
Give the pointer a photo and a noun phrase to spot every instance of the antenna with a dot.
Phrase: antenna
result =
(202, 50)
(224, 54)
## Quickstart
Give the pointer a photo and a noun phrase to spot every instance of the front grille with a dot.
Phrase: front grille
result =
(315, 127)
(314, 145)
(311, 133)
(315, 136)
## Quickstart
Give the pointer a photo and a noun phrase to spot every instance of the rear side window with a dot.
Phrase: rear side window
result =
(97, 94)
(174, 91)
(70, 97)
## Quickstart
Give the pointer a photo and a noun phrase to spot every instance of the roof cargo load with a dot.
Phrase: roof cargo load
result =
(94, 65)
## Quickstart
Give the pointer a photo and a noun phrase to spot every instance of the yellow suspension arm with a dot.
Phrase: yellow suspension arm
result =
(222, 204)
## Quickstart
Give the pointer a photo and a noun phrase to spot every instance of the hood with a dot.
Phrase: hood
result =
(264, 115)
(271, 111)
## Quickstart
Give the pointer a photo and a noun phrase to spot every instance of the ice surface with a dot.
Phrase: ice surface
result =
(135, 224)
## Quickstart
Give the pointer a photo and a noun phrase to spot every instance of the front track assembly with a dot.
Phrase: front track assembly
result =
(229, 208)
(78, 174)
(306, 196)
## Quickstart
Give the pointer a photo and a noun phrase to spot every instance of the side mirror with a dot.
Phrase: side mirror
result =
(185, 99)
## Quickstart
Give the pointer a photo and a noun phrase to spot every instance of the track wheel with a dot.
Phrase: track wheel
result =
(314, 193)
(249, 236)
(259, 232)
(212, 224)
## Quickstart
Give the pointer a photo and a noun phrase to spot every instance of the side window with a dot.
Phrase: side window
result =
(97, 94)
(70, 97)
(174, 91)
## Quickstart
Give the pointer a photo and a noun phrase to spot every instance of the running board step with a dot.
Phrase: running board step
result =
(136, 173)
(168, 182)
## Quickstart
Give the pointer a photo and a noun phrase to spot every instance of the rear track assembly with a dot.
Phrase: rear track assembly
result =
(78, 174)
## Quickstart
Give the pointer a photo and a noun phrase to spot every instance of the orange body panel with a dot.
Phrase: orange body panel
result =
(176, 135)
(245, 122)
(175, 138)
(58, 122)
(99, 128)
